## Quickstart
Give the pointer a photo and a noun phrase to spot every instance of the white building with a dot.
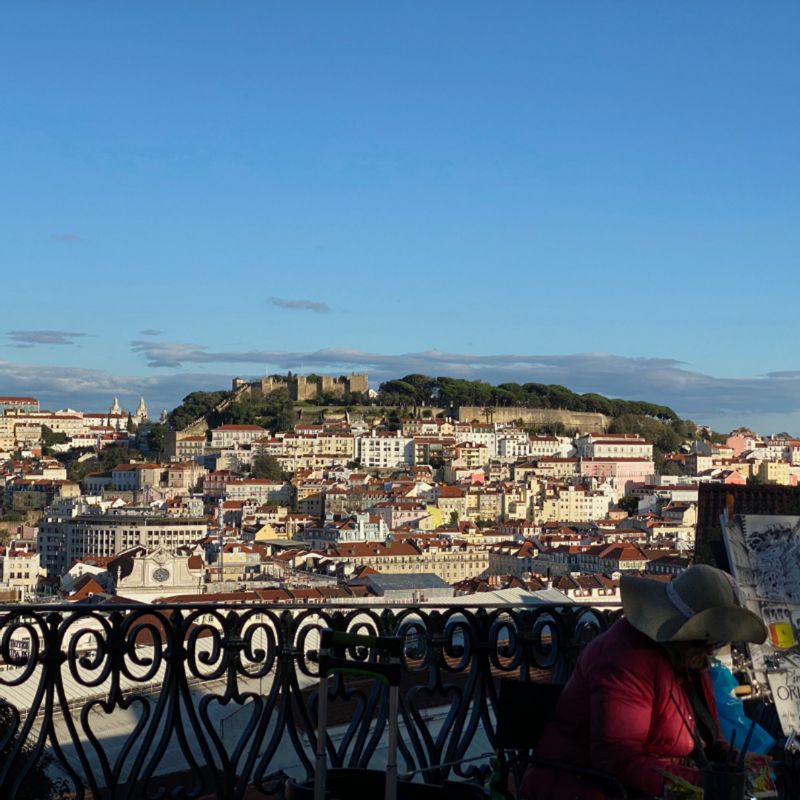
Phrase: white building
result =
(513, 447)
(64, 540)
(478, 434)
(385, 450)
(228, 436)
(20, 570)
(609, 445)
(574, 504)
(259, 489)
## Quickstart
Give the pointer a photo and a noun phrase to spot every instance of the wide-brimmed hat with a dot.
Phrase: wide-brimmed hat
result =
(700, 604)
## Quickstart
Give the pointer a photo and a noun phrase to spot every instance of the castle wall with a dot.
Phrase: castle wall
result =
(572, 420)
(300, 388)
(358, 382)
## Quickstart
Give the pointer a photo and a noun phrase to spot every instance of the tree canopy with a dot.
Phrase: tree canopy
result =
(194, 406)
(156, 440)
(103, 461)
(274, 411)
(416, 390)
(49, 438)
(266, 466)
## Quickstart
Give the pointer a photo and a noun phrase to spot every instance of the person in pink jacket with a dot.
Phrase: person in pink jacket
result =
(640, 695)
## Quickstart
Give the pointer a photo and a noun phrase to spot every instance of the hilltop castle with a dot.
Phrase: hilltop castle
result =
(304, 388)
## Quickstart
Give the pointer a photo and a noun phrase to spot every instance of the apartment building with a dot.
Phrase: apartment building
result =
(573, 504)
(18, 405)
(451, 562)
(20, 571)
(63, 540)
(609, 445)
(624, 472)
(260, 490)
(513, 558)
(229, 436)
(32, 494)
(385, 450)
(777, 472)
(135, 477)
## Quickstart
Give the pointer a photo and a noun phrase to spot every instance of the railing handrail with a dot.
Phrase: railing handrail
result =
(300, 605)
(256, 657)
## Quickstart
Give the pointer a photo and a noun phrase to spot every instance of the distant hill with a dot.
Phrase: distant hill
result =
(422, 390)
(658, 424)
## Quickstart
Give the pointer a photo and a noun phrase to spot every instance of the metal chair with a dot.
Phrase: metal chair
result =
(349, 782)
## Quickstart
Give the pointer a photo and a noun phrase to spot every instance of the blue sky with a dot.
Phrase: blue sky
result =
(603, 195)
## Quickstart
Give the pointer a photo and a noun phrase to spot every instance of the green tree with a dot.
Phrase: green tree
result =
(279, 414)
(266, 466)
(241, 412)
(629, 503)
(49, 438)
(113, 455)
(156, 440)
(194, 406)
(598, 404)
(405, 393)
(393, 420)
(665, 467)
(104, 461)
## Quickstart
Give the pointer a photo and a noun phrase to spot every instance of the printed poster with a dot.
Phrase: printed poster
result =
(764, 554)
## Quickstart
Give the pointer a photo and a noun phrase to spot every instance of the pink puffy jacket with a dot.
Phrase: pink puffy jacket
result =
(619, 713)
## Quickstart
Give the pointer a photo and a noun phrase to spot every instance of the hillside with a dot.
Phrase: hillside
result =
(421, 395)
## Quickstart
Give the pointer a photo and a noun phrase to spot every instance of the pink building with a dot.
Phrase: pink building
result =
(731, 477)
(739, 441)
(626, 471)
(397, 515)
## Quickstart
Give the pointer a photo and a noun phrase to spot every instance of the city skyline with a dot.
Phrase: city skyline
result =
(604, 198)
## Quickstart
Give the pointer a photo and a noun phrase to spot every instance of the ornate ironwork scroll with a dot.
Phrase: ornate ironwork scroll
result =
(133, 701)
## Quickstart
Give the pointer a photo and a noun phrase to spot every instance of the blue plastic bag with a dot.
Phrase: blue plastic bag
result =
(731, 712)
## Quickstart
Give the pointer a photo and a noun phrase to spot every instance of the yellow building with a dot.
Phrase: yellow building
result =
(452, 564)
(777, 472)
(554, 467)
(35, 495)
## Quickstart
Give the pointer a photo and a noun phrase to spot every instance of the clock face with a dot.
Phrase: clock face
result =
(160, 574)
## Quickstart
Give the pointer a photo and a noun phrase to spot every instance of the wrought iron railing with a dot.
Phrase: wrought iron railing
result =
(133, 701)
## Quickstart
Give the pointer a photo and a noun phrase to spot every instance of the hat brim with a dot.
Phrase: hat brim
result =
(648, 608)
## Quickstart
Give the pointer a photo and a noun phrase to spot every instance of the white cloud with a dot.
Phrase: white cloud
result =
(300, 305)
(94, 389)
(770, 402)
(31, 338)
(659, 380)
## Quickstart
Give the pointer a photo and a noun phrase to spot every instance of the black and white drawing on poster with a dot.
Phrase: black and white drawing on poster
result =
(773, 544)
